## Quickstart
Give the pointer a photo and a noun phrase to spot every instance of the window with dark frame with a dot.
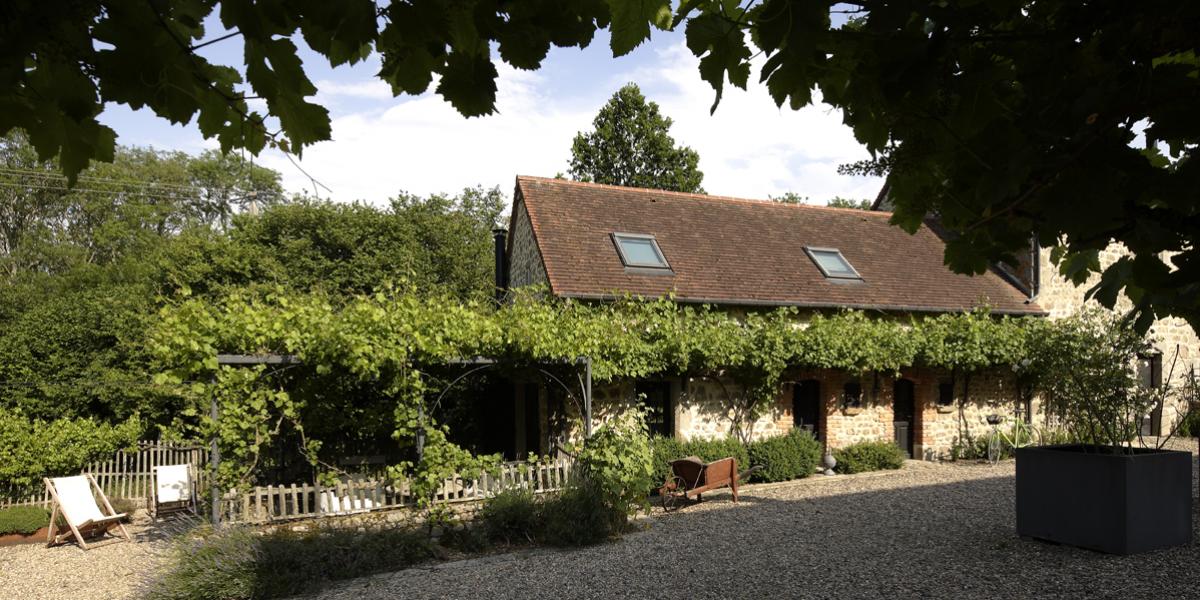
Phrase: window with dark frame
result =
(945, 393)
(640, 250)
(831, 263)
(852, 394)
(1150, 370)
(655, 397)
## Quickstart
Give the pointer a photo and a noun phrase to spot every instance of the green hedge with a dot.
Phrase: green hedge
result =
(23, 519)
(868, 456)
(1190, 426)
(31, 449)
(666, 449)
(785, 457)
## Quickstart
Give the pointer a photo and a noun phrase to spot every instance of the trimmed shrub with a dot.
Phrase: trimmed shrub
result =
(579, 516)
(1190, 425)
(510, 517)
(23, 519)
(868, 456)
(785, 457)
(718, 448)
(31, 449)
(665, 450)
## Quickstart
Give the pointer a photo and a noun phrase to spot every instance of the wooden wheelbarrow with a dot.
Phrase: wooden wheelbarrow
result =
(690, 477)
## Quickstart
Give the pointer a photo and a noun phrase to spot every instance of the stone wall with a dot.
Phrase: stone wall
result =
(1060, 298)
(702, 408)
(525, 260)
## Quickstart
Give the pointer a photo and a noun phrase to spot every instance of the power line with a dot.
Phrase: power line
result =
(78, 190)
(312, 179)
(148, 191)
(59, 179)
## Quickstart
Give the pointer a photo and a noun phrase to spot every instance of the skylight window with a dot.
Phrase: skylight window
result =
(640, 251)
(832, 264)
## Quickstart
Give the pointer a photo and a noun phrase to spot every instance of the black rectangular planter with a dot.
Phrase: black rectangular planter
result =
(1118, 503)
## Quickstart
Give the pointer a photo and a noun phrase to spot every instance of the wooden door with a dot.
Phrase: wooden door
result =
(806, 406)
(904, 414)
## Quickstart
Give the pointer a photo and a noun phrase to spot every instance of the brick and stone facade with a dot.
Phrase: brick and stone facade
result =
(1060, 298)
(701, 407)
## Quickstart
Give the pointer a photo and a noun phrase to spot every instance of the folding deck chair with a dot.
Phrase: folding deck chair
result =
(75, 499)
(174, 490)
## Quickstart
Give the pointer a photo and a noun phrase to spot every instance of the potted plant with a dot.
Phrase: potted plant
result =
(1108, 491)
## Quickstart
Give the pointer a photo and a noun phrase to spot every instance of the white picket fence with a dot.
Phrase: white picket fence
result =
(272, 503)
(126, 475)
(129, 475)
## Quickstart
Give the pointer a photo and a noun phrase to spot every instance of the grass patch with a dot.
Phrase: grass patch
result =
(238, 564)
(23, 519)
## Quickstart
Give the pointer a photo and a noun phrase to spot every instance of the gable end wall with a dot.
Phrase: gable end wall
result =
(525, 260)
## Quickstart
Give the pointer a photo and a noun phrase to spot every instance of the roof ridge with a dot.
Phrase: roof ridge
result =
(695, 196)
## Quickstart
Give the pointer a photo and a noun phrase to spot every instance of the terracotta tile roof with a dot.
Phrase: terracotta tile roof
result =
(749, 252)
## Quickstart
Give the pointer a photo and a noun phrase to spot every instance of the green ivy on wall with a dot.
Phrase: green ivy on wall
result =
(386, 339)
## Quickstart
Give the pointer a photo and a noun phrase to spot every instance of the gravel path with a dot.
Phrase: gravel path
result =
(928, 531)
(110, 571)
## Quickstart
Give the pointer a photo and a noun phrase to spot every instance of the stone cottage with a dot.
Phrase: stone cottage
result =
(599, 242)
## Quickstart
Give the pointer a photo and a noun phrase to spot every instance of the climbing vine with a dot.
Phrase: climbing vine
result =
(388, 339)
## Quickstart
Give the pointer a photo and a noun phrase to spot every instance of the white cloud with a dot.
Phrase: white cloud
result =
(372, 89)
(749, 148)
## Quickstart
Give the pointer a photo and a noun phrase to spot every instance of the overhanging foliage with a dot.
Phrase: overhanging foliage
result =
(388, 339)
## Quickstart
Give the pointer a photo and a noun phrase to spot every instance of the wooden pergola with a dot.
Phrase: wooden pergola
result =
(287, 360)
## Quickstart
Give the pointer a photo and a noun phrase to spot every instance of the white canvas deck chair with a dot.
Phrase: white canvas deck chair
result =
(174, 490)
(75, 500)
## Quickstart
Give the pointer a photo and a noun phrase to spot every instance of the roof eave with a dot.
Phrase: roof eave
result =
(1031, 312)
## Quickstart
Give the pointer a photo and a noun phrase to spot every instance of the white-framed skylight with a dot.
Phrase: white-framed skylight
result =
(639, 250)
(831, 263)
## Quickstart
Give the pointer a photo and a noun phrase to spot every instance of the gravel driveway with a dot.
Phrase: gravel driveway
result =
(928, 531)
(110, 571)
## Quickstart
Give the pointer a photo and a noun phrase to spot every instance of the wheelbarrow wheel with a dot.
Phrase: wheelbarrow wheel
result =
(673, 494)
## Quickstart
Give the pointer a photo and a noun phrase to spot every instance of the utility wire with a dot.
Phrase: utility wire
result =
(78, 190)
(55, 178)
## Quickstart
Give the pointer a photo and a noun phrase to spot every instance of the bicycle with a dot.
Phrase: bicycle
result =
(994, 447)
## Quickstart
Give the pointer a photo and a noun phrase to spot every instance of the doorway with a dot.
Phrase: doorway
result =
(806, 406)
(903, 414)
(1149, 368)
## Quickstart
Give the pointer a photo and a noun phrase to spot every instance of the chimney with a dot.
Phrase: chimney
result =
(500, 236)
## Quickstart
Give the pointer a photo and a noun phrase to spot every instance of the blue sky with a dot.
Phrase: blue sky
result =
(382, 145)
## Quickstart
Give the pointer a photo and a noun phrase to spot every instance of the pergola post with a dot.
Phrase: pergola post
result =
(214, 462)
(214, 450)
(587, 397)
(420, 431)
